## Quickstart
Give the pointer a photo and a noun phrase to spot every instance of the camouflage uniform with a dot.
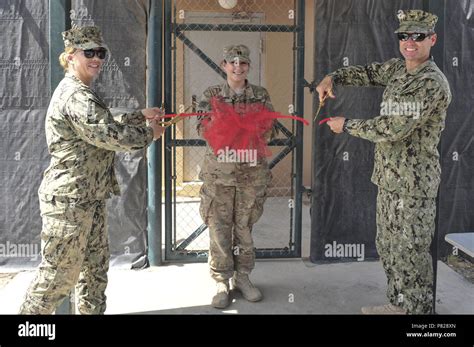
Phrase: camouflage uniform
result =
(82, 138)
(232, 194)
(406, 169)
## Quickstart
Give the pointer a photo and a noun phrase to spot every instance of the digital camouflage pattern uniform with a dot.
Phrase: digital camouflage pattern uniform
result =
(82, 138)
(406, 169)
(232, 194)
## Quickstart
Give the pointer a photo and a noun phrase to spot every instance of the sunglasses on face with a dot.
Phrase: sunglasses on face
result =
(417, 37)
(100, 52)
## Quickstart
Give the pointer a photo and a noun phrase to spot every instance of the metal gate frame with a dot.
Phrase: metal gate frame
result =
(292, 143)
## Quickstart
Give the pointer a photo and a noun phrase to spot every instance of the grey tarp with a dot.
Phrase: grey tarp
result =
(24, 75)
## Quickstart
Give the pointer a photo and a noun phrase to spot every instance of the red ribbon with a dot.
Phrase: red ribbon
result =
(274, 115)
(239, 126)
(324, 120)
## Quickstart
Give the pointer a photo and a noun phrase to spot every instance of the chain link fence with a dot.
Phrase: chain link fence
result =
(200, 30)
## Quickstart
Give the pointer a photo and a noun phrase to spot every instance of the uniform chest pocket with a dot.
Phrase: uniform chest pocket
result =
(97, 113)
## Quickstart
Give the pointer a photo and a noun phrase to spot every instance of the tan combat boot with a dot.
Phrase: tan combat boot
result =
(384, 309)
(242, 283)
(221, 299)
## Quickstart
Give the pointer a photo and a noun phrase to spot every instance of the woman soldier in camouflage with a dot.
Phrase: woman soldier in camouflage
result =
(233, 193)
(82, 138)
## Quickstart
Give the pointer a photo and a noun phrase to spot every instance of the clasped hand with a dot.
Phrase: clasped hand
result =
(325, 89)
(153, 116)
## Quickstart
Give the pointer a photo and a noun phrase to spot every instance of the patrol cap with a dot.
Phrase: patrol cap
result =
(416, 21)
(83, 37)
(240, 52)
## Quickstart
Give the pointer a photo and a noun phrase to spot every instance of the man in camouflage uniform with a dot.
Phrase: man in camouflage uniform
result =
(407, 168)
(233, 193)
(82, 138)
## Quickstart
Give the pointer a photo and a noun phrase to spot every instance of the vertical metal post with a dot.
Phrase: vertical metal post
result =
(168, 93)
(154, 80)
(59, 21)
(300, 83)
(437, 7)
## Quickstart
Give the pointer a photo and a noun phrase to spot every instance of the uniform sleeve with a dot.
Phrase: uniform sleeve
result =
(204, 105)
(433, 101)
(134, 118)
(375, 74)
(94, 124)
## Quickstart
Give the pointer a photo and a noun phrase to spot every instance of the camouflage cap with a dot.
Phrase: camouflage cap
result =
(83, 37)
(416, 21)
(240, 52)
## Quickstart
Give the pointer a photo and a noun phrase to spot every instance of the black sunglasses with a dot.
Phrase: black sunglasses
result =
(418, 37)
(100, 52)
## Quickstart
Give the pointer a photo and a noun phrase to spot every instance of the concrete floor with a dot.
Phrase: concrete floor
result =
(289, 287)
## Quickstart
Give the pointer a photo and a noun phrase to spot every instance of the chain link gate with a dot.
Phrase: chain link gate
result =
(195, 32)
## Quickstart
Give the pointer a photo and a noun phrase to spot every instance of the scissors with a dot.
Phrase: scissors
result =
(321, 104)
(174, 120)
